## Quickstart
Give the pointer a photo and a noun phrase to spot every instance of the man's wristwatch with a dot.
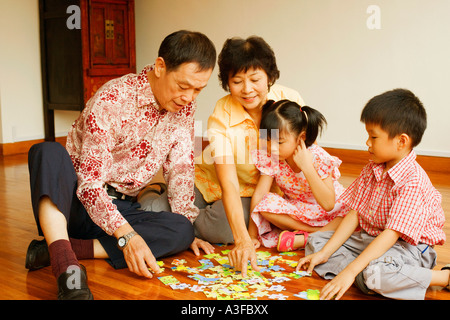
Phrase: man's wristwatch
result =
(123, 240)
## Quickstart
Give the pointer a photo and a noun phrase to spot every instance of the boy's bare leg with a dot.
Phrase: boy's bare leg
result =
(440, 278)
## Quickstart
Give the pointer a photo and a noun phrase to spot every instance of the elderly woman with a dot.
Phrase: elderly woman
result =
(225, 176)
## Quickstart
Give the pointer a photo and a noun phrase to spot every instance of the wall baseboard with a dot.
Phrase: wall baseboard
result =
(429, 163)
(9, 149)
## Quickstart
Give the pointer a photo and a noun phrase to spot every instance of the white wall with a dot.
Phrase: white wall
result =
(326, 51)
(20, 75)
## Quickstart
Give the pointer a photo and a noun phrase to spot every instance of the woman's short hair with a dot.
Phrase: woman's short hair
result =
(242, 54)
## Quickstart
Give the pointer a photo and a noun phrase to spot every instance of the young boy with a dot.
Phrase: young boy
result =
(395, 205)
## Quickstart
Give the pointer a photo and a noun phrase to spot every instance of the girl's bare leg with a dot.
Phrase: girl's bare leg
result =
(285, 222)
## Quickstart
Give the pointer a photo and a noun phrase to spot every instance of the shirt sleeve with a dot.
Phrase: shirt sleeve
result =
(178, 171)
(217, 136)
(96, 141)
(325, 164)
(264, 163)
(356, 195)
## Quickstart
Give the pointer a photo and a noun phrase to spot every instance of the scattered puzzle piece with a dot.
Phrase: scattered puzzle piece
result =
(277, 288)
(197, 288)
(309, 294)
(278, 296)
(180, 286)
(218, 280)
(288, 253)
(168, 280)
(178, 262)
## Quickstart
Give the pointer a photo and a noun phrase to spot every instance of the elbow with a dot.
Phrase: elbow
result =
(328, 205)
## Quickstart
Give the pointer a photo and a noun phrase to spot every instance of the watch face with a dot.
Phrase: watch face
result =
(122, 242)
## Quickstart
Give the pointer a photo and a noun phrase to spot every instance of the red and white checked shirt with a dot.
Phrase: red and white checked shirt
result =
(122, 138)
(402, 199)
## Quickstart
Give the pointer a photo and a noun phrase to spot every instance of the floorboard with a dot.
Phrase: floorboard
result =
(18, 229)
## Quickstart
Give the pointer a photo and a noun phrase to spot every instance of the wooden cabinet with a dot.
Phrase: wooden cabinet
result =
(77, 61)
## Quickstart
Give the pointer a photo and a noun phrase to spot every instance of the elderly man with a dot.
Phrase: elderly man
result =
(84, 196)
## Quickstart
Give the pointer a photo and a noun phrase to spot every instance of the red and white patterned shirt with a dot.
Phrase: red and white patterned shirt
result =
(122, 138)
(402, 199)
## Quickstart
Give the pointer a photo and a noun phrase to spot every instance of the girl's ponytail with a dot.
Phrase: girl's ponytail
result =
(315, 124)
(288, 115)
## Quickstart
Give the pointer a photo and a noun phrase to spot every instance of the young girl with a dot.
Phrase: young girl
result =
(306, 174)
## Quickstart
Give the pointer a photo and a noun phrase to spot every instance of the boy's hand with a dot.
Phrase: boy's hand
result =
(338, 286)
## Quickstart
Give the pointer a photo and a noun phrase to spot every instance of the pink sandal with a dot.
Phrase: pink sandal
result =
(286, 240)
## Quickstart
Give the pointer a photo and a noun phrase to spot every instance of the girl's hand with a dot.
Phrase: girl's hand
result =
(302, 157)
(310, 261)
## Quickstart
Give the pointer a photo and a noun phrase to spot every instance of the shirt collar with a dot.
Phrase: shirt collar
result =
(398, 172)
(237, 113)
(145, 94)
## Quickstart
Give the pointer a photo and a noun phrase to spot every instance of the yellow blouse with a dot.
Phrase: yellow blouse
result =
(232, 132)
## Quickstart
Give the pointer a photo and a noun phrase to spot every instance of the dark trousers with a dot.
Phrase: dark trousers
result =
(52, 174)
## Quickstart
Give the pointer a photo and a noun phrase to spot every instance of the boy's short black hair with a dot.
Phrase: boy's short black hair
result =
(242, 54)
(187, 46)
(397, 111)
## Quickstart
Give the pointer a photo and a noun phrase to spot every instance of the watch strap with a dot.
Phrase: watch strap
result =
(127, 238)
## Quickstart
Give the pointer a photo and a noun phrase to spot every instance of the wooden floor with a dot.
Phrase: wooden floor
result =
(17, 229)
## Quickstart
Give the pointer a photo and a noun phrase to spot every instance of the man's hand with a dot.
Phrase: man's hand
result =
(139, 257)
(240, 254)
(199, 243)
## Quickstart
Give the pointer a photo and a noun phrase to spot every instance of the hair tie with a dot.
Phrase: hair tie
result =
(304, 112)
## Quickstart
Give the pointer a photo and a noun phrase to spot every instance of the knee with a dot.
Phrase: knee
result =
(378, 275)
(183, 233)
(317, 240)
(45, 149)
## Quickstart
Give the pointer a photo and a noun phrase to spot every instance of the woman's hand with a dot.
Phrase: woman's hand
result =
(240, 254)
(256, 243)
(198, 244)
